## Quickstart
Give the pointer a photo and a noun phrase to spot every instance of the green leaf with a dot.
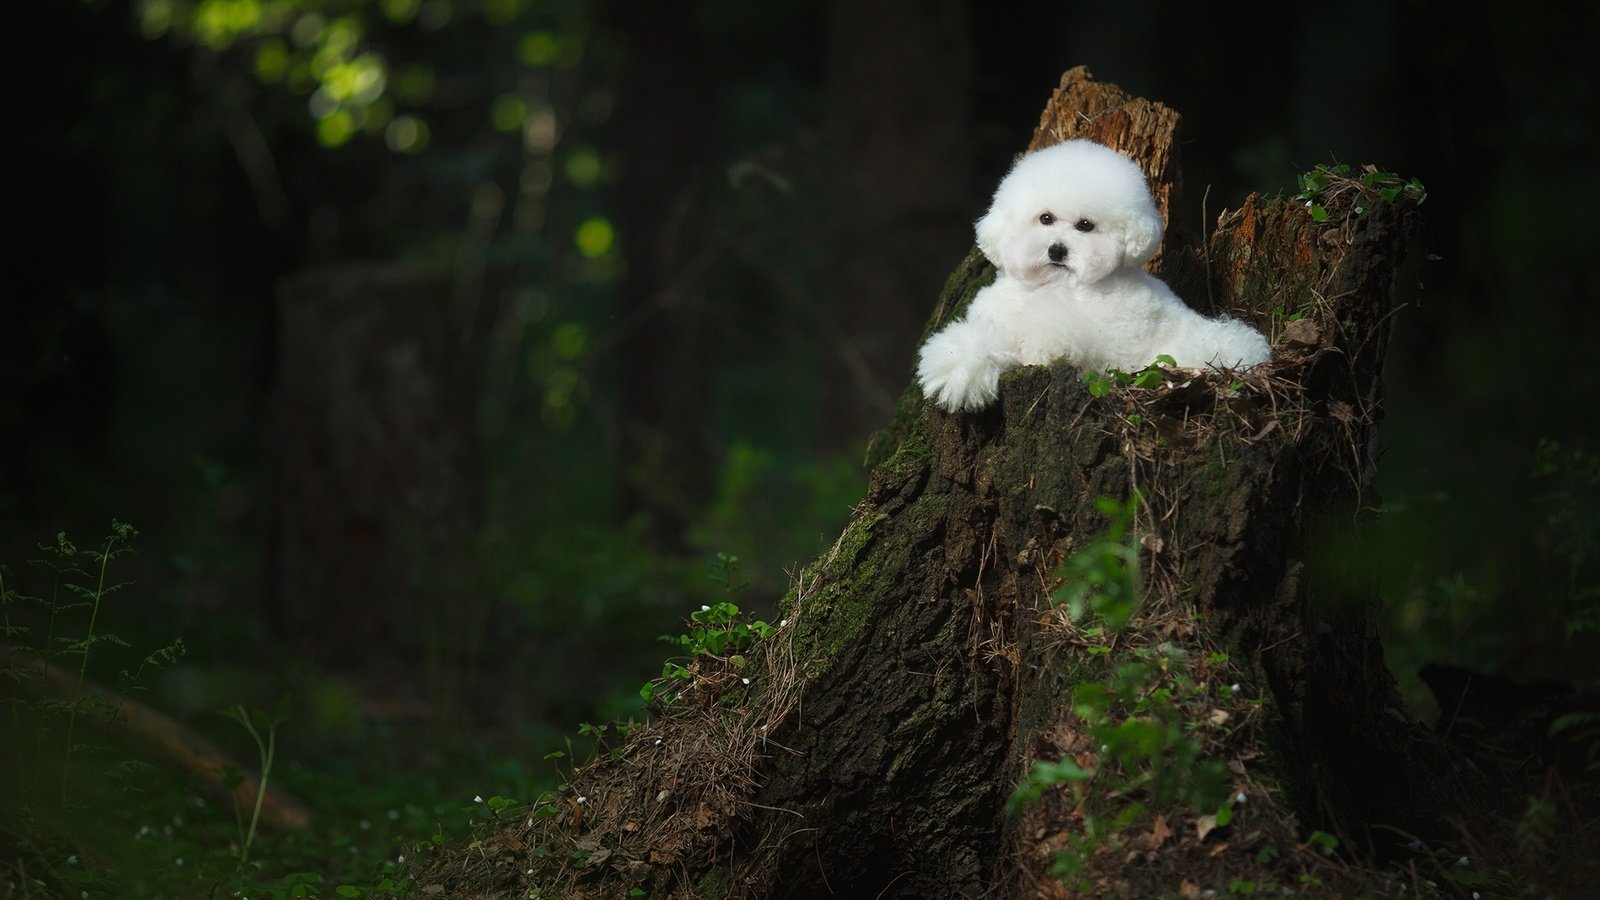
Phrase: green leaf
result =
(1562, 723)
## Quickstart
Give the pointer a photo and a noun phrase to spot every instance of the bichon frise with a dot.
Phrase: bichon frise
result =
(1069, 229)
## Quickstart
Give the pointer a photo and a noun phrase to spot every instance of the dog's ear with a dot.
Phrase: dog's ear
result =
(1141, 235)
(991, 229)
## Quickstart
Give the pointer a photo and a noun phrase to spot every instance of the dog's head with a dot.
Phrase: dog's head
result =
(1076, 210)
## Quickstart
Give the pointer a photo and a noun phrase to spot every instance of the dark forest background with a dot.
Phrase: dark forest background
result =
(446, 353)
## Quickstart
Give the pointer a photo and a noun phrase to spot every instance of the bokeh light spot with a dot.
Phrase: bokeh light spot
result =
(584, 168)
(508, 112)
(538, 48)
(336, 129)
(595, 237)
(406, 134)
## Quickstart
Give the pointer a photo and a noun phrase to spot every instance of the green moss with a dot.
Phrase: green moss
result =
(839, 589)
(712, 883)
(905, 463)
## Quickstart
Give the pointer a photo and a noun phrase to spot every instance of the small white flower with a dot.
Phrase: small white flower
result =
(1464, 861)
(400, 858)
(72, 860)
(705, 609)
(658, 742)
(1239, 797)
(1235, 687)
(746, 680)
(782, 622)
(529, 872)
(477, 798)
(582, 800)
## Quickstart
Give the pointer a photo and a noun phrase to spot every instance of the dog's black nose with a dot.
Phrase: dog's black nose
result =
(1058, 253)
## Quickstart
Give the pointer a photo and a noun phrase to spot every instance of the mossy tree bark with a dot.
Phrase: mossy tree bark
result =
(921, 667)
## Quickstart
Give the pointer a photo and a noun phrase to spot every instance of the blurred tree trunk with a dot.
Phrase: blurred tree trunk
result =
(921, 667)
(667, 451)
(374, 486)
(898, 190)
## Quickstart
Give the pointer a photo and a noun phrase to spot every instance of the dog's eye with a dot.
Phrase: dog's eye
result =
(1084, 225)
(1047, 219)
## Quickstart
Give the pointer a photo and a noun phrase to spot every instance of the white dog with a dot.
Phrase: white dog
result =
(1069, 229)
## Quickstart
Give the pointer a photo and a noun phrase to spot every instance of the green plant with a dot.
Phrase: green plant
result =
(1321, 186)
(1150, 376)
(1103, 578)
(1322, 842)
(80, 585)
(1143, 706)
(117, 543)
(255, 723)
(718, 636)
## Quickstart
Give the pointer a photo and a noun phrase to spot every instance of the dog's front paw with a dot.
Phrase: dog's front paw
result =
(959, 368)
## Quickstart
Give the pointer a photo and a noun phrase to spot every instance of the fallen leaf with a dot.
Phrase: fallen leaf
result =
(1302, 332)
(1159, 832)
(1205, 825)
(1265, 430)
(1218, 716)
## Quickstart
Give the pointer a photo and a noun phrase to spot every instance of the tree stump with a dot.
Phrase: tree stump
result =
(923, 666)
(374, 486)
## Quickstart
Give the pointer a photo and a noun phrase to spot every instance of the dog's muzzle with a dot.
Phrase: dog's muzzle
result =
(1057, 253)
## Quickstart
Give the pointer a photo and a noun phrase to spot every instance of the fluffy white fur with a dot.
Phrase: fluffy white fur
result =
(1069, 229)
